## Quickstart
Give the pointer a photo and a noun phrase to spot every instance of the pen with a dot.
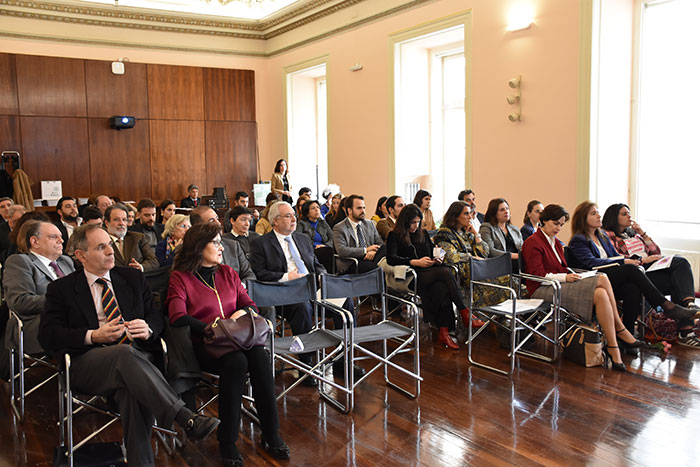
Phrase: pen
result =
(570, 270)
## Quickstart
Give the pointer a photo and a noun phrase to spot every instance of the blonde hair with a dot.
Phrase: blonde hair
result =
(173, 222)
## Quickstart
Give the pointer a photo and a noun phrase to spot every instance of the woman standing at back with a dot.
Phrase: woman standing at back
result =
(280, 181)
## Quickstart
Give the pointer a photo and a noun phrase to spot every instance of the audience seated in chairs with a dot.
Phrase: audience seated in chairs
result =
(410, 245)
(132, 215)
(591, 248)
(92, 215)
(631, 241)
(166, 210)
(192, 200)
(328, 193)
(263, 225)
(380, 211)
(240, 218)
(544, 257)
(531, 220)
(130, 248)
(461, 242)
(202, 290)
(67, 210)
(147, 224)
(335, 213)
(175, 229)
(497, 231)
(355, 237)
(469, 197)
(102, 202)
(422, 200)
(394, 204)
(89, 314)
(26, 217)
(312, 225)
(300, 204)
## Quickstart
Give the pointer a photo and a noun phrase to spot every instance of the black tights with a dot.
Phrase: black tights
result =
(438, 290)
(630, 284)
(676, 281)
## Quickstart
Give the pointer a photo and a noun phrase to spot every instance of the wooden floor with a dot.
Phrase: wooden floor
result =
(559, 414)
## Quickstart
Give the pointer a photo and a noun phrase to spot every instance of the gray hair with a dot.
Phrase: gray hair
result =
(15, 208)
(274, 211)
(114, 207)
(79, 239)
(5, 198)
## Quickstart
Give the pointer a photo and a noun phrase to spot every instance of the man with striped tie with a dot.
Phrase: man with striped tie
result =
(104, 317)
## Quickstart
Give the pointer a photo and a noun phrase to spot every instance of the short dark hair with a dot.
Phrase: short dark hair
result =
(91, 213)
(530, 206)
(462, 194)
(553, 212)
(271, 196)
(420, 194)
(391, 202)
(189, 258)
(196, 214)
(145, 203)
(241, 194)
(492, 209)
(378, 211)
(165, 203)
(350, 202)
(79, 238)
(191, 187)
(307, 206)
(114, 207)
(610, 218)
(407, 214)
(453, 212)
(238, 211)
(59, 204)
(304, 189)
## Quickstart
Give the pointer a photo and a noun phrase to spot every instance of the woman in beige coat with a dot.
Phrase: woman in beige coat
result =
(280, 182)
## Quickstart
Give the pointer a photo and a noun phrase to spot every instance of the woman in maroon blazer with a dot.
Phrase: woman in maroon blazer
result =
(201, 290)
(544, 256)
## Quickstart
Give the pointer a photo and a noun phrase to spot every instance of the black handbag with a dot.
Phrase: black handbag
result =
(227, 335)
(583, 345)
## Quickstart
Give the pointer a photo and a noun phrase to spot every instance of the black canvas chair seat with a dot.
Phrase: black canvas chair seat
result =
(316, 340)
(383, 330)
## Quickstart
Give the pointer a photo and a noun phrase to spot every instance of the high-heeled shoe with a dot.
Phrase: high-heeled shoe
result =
(445, 339)
(614, 365)
(468, 317)
(636, 344)
(278, 449)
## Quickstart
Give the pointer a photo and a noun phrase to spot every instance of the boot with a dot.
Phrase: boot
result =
(445, 339)
(467, 318)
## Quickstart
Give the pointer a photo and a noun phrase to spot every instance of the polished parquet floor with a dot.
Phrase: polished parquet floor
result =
(560, 414)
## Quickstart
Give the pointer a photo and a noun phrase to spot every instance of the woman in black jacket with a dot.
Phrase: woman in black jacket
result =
(408, 244)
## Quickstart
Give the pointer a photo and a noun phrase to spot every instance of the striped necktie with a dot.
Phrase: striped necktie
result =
(109, 304)
(361, 242)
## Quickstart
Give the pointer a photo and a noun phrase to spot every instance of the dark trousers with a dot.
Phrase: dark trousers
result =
(438, 289)
(629, 284)
(126, 374)
(232, 369)
(365, 265)
(676, 280)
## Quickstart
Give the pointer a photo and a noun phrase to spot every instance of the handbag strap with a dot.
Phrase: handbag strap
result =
(572, 336)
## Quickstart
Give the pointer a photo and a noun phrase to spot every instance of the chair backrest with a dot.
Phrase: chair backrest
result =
(158, 279)
(282, 293)
(352, 285)
(568, 256)
(490, 268)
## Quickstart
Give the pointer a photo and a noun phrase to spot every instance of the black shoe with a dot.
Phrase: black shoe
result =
(680, 313)
(309, 382)
(200, 426)
(339, 370)
(278, 450)
(230, 455)
(629, 345)
(615, 366)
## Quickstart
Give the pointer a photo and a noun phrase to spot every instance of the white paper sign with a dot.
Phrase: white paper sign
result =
(260, 192)
(51, 189)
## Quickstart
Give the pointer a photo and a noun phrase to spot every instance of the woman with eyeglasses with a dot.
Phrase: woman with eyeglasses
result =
(202, 290)
(544, 257)
(410, 245)
(174, 232)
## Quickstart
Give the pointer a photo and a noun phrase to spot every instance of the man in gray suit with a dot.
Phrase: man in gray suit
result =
(355, 237)
(130, 248)
(27, 275)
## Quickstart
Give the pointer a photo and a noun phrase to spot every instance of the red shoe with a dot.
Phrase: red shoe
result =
(468, 317)
(445, 339)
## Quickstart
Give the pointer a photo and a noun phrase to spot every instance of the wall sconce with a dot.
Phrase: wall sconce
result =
(520, 17)
(356, 67)
(515, 99)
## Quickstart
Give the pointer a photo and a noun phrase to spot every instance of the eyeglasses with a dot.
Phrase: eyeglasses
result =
(216, 243)
(286, 216)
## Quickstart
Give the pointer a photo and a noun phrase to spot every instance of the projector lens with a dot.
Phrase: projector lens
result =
(125, 120)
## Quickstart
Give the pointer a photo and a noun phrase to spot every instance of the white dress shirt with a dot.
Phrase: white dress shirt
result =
(291, 264)
(559, 276)
(96, 291)
(46, 262)
(355, 226)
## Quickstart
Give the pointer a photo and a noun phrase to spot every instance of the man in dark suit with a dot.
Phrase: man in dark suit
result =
(89, 314)
(240, 218)
(193, 200)
(147, 224)
(5, 204)
(130, 248)
(26, 277)
(469, 197)
(67, 210)
(355, 237)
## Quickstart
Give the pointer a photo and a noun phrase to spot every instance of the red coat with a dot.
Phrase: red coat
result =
(540, 259)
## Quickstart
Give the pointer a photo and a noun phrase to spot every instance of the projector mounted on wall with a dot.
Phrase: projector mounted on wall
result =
(121, 122)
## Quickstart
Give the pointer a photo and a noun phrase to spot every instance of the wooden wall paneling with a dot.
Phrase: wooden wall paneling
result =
(51, 86)
(109, 94)
(229, 94)
(177, 158)
(231, 156)
(8, 85)
(10, 139)
(120, 160)
(175, 92)
(56, 148)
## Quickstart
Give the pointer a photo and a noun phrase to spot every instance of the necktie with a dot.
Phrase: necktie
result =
(109, 304)
(56, 269)
(120, 246)
(362, 243)
(301, 267)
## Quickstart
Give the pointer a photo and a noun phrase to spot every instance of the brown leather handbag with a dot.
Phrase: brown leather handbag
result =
(224, 336)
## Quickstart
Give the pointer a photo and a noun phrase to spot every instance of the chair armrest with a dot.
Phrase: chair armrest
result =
(344, 314)
(540, 279)
(20, 324)
(355, 261)
(497, 286)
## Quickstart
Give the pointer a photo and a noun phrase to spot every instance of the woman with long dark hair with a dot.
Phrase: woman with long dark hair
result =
(408, 244)
(498, 232)
(380, 211)
(202, 290)
(422, 200)
(279, 184)
(531, 220)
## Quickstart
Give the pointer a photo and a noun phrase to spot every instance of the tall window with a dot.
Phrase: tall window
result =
(668, 159)
(307, 137)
